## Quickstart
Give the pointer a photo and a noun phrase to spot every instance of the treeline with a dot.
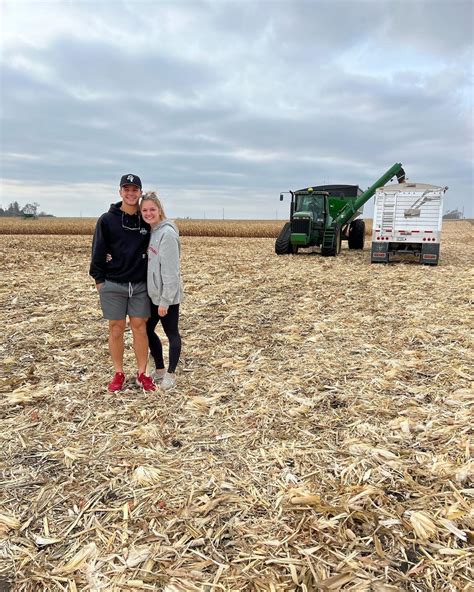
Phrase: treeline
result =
(14, 209)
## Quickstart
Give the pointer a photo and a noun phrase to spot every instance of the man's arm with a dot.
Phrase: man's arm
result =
(99, 253)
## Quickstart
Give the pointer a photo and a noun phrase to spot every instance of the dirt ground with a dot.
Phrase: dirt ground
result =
(318, 438)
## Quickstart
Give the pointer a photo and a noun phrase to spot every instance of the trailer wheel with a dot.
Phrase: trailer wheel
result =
(357, 234)
(282, 243)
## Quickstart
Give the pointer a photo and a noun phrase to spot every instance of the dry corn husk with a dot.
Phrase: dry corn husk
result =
(79, 560)
(337, 581)
(146, 475)
(305, 499)
(423, 525)
(138, 555)
(41, 541)
(448, 525)
(8, 522)
(27, 394)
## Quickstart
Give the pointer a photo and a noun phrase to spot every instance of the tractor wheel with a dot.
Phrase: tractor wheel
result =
(282, 243)
(357, 234)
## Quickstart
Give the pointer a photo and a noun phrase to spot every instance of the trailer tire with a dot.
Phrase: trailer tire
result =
(357, 234)
(282, 243)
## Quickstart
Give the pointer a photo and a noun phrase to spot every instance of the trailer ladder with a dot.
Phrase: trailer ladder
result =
(388, 211)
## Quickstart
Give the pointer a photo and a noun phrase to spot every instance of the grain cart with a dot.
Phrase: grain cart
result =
(323, 216)
(407, 221)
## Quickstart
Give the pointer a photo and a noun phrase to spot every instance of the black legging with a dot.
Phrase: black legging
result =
(170, 327)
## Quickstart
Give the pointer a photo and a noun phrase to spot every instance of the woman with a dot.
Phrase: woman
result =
(164, 288)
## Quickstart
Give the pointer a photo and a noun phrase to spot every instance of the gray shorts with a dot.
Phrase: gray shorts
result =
(121, 299)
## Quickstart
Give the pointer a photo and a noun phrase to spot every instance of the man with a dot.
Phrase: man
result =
(119, 267)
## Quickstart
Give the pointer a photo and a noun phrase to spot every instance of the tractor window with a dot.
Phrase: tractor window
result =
(311, 203)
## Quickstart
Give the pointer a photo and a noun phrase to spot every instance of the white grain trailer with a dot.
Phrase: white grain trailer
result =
(407, 221)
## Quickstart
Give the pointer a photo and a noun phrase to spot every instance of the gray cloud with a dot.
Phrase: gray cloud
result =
(223, 104)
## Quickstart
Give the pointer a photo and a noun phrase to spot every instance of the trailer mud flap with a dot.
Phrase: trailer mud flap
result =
(379, 253)
(430, 254)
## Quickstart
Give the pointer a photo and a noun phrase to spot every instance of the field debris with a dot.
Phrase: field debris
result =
(319, 437)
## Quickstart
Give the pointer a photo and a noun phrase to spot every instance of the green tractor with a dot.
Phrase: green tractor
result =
(325, 215)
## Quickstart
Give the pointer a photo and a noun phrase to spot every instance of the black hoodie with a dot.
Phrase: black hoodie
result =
(125, 237)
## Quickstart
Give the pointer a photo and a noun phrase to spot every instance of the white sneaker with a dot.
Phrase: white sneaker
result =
(168, 381)
(157, 378)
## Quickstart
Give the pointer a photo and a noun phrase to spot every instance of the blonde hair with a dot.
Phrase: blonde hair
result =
(151, 196)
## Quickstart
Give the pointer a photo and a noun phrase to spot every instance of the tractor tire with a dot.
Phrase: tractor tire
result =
(282, 243)
(357, 234)
(336, 249)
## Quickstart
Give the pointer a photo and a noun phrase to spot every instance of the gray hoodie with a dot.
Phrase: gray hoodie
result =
(164, 280)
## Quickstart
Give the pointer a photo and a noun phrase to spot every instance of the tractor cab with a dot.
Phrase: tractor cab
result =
(308, 217)
(312, 203)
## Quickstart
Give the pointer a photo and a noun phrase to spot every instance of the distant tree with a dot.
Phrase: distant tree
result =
(30, 210)
(13, 209)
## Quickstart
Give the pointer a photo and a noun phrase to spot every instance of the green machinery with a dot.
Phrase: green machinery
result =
(325, 215)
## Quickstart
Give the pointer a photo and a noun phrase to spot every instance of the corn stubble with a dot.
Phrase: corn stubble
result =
(318, 439)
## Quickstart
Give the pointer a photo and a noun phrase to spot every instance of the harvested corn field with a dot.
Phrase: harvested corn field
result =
(318, 438)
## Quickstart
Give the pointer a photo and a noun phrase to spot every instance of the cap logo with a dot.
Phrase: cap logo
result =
(130, 178)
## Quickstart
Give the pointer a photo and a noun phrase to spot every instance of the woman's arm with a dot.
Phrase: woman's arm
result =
(170, 268)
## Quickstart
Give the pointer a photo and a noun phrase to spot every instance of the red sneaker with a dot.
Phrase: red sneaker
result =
(117, 382)
(145, 382)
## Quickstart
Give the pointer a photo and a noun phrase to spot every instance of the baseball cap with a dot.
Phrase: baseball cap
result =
(130, 180)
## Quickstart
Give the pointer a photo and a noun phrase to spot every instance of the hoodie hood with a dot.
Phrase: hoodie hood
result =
(115, 208)
(163, 224)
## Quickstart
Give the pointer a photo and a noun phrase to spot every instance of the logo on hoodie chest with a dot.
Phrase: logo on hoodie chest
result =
(152, 249)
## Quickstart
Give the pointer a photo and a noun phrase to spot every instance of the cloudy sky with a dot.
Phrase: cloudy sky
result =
(220, 104)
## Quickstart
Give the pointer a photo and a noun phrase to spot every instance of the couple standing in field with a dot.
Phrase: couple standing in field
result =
(135, 265)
